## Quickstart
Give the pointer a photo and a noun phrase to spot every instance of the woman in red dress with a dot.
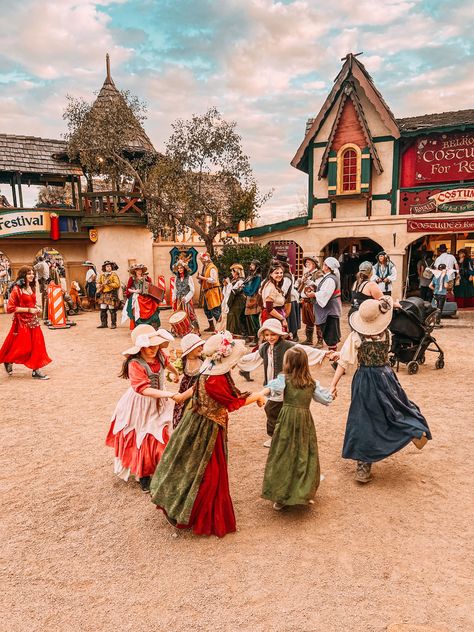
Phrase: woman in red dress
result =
(24, 343)
(191, 483)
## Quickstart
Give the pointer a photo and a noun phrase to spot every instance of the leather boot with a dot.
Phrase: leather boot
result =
(211, 327)
(363, 474)
(103, 319)
(309, 336)
(113, 319)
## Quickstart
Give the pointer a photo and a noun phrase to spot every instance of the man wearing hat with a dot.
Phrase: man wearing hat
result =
(385, 273)
(312, 272)
(327, 303)
(91, 282)
(107, 294)
(449, 261)
(211, 289)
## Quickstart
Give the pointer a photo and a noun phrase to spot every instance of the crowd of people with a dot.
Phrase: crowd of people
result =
(174, 442)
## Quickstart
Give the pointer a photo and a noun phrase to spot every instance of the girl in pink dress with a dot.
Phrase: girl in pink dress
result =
(142, 420)
(24, 343)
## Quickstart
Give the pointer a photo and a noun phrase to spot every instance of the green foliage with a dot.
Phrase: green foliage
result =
(243, 254)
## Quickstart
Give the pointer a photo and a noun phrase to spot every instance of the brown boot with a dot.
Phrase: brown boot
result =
(363, 474)
(211, 327)
(309, 336)
(421, 442)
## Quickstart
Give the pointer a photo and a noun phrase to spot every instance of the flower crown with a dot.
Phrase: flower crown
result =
(225, 348)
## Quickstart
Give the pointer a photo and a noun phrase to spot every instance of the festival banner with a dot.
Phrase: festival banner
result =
(22, 222)
(458, 225)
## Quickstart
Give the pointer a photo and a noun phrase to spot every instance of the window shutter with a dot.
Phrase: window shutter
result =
(365, 171)
(332, 173)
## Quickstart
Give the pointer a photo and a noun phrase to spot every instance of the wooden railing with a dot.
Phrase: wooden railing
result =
(111, 203)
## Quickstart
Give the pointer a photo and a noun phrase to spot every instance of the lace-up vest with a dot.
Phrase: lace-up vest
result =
(374, 352)
(204, 405)
(156, 379)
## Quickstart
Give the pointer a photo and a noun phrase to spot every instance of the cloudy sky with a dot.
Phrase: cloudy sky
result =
(266, 64)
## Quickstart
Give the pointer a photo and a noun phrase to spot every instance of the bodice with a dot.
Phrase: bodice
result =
(298, 397)
(205, 405)
(374, 352)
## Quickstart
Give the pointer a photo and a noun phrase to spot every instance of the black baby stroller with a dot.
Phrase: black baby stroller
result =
(411, 328)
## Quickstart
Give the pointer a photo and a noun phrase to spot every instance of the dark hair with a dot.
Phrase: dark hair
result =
(273, 267)
(124, 372)
(21, 277)
(296, 368)
(442, 266)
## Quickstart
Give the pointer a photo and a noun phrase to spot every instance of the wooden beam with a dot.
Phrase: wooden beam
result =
(20, 192)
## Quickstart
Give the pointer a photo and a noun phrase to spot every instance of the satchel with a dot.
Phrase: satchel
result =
(427, 273)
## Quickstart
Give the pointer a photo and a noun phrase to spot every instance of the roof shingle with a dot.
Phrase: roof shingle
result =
(31, 154)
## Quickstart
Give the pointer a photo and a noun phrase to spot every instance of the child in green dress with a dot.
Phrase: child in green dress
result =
(292, 472)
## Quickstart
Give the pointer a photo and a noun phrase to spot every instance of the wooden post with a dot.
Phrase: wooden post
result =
(20, 193)
(73, 190)
(12, 183)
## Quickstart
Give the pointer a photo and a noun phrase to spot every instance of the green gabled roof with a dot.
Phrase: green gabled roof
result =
(271, 228)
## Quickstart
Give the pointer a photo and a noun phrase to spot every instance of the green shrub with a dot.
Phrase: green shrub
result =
(243, 254)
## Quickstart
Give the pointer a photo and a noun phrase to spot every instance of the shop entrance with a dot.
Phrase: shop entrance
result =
(5, 279)
(56, 263)
(350, 252)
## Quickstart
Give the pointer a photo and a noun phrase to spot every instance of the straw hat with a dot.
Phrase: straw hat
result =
(190, 342)
(239, 268)
(311, 258)
(372, 317)
(146, 336)
(274, 325)
(222, 353)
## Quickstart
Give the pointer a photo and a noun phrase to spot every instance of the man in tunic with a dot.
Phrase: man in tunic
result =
(211, 290)
(327, 303)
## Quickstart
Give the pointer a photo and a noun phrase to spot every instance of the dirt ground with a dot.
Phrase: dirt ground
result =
(84, 551)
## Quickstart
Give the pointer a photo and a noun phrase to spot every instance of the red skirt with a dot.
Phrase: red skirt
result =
(25, 345)
(213, 512)
(140, 461)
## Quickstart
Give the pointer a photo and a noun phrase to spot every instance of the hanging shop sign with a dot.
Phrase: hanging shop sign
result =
(285, 249)
(460, 200)
(24, 222)
(444, 157)
(458, 225)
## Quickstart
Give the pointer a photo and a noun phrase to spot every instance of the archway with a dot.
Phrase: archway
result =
(350, 252)
(55, 260)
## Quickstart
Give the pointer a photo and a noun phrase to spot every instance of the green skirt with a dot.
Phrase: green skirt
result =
(292, 471)
(179, 473)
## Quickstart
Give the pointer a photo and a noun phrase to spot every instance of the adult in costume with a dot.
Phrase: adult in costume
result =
(311, 273)
(191, 482)
(140, 308)
(464, 292)
(363, 288)
(385, 273)
(273, 297)
(91, 282)
(252, 283)
(234, 301)
(327, 303)
(211, 291)
(24, 343)
(183, 291)
(381, 420)
(107, 294)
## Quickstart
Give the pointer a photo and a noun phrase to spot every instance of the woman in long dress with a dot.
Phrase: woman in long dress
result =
(24, 343)
(191, 482)
(140, 308)
(273, 297)
(234, 301)
(182, 296)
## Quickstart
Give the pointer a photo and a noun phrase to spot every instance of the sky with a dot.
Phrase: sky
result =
(265, 64)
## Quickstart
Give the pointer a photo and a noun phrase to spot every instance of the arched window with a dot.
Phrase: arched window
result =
(348, 170)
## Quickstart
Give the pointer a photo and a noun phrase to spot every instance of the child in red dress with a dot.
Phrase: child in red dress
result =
(24, 343)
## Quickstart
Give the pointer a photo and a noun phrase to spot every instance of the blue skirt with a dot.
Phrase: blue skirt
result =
(381, 420)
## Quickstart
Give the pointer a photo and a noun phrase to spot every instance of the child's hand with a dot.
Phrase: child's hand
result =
(333, 391)
(261, 401)
(334, 356)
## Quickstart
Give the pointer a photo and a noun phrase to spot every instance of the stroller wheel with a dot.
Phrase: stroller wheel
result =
(412, 367)
(439, 364)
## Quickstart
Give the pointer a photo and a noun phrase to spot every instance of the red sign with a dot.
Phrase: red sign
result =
(437, 201)
(459, 225)
(444, 158)
(286, 249)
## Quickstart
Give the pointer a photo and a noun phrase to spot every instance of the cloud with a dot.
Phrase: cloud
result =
(266, 64)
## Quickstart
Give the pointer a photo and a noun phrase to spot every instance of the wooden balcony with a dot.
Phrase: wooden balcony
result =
(100, 208)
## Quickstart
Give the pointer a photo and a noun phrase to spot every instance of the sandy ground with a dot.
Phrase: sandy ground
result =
(84, 551)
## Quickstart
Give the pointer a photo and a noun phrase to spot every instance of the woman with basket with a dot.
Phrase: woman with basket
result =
(184, 319)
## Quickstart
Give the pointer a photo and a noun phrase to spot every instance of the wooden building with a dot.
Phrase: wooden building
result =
(373, 180)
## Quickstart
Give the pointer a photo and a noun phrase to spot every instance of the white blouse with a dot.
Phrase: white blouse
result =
(271, 293)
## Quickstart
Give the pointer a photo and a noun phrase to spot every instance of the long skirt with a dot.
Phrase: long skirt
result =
(138, 433)
(236, 317)
(191, 483)
(294, 319)
(382, 420)
(292, 473)
(25, 344)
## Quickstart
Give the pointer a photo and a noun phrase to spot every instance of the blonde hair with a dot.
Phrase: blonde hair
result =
(296, 368)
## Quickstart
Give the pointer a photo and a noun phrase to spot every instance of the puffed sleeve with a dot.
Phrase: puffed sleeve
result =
(322, 395)
(219, 389)
(349, 350)
(277, 385)
(250, 362)
(138, 377)
(315, 356)
(129, 285)
(14, 300)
